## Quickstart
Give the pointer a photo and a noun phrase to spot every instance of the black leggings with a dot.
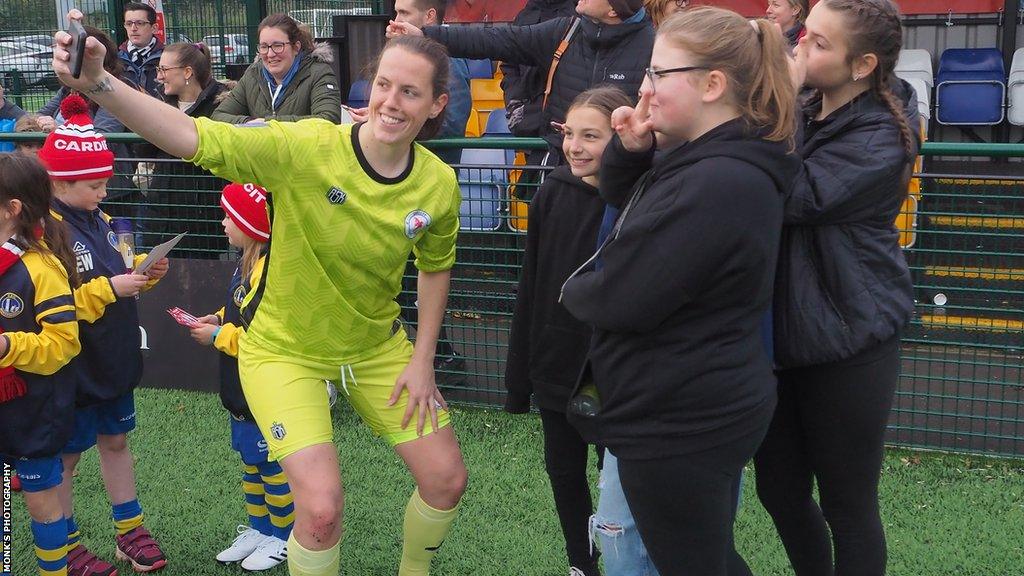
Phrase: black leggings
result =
(684, 507)
(565, 459)
(830, 426)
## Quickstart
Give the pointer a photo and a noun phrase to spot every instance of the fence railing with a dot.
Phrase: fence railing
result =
(961, 387)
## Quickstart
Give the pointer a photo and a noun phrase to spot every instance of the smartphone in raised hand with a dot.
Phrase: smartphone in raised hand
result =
(77, 48)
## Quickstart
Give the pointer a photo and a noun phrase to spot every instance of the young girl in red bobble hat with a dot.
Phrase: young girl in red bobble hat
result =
(79, 164)
(268, 498)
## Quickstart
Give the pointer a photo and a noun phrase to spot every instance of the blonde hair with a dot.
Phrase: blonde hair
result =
(753, 61)
(658, 9)
(252, 249)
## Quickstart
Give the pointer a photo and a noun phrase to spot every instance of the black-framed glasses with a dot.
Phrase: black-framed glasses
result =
(653, 74)
(136, 23)
(164, 69)
(275, 47)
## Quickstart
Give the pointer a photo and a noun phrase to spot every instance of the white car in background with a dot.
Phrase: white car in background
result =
(228, 48)
(33, 61)
(319, 19)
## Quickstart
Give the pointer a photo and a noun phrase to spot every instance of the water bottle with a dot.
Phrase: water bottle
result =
(586, 402)
(125, 241)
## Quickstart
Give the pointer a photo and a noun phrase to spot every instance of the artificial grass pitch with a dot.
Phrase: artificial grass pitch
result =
(944, 514)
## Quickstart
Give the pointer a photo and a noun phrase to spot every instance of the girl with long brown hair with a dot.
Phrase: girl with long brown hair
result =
(843, 293)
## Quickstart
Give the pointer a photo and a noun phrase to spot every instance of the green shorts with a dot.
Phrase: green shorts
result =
(289, 398)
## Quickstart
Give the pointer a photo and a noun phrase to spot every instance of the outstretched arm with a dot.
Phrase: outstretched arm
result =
(164, 125)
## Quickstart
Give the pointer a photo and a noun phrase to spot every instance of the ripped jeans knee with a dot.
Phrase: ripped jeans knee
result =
(614, 529)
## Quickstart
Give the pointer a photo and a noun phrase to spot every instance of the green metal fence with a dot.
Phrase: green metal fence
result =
(961, 387)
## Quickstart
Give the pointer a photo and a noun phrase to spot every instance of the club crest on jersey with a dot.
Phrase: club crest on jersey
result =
(238, 296)
(11, 305)
(336, 196)
(277, 431)
(112, 239)
(416, 221)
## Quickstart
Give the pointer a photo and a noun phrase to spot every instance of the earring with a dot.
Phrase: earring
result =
(856, 77)
(186, 81)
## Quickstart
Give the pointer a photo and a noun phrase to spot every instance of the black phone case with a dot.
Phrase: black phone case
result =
(77, 48)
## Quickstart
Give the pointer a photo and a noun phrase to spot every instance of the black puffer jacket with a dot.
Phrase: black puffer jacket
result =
(547, 346)
(526, 83)
(677, 306)
(842, 283)
(598, 54)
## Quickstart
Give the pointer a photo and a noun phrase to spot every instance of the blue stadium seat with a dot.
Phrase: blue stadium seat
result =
(359, 94)
(480, 69)
(482, 182)
(970, 87)
(497, 124)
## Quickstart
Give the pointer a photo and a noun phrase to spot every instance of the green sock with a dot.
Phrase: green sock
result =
(425, 529)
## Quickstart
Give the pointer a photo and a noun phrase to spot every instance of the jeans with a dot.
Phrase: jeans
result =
(623, 552)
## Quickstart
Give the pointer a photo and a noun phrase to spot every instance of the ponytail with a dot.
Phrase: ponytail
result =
(772, 100)
(56, 236)
(907, 138)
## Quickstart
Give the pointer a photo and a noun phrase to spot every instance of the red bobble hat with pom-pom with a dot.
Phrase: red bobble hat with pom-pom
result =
(246, 205)
(75, 150)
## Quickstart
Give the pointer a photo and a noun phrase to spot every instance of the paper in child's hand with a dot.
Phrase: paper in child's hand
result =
(183, 318)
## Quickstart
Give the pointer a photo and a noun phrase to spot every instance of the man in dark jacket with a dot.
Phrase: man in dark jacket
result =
(141, 52)
(523, 85)
(611, 44)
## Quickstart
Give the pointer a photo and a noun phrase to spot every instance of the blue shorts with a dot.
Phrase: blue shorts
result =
(248, 441)
(110, 418)
(36, 474)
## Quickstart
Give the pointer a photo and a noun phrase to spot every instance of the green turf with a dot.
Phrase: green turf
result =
(944, 514)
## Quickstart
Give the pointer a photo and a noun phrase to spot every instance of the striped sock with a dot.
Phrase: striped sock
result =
(51, 544)
(74, 534)
(255, 500)
(127, 516)
(280, 503)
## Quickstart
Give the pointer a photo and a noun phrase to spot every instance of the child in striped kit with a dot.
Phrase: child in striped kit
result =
(37, 349)
(268, 499)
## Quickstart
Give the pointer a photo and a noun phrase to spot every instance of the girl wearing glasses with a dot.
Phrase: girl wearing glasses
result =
(344, 226)
(291, 80)
(188, 84)
(682, 388)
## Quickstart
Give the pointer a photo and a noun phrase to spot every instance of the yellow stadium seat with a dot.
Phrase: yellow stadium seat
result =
(906, 220)
(487, 96)
(473, 129)
(517, 209)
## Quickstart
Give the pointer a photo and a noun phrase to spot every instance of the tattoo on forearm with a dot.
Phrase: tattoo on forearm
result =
(104, 85)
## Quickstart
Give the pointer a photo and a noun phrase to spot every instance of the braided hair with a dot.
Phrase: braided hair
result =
(874, 27)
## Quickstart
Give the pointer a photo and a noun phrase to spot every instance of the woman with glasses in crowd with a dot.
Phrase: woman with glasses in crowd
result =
(175, 189)
(291, 80)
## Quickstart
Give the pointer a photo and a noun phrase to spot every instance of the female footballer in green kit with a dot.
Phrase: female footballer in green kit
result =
(349, 204)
